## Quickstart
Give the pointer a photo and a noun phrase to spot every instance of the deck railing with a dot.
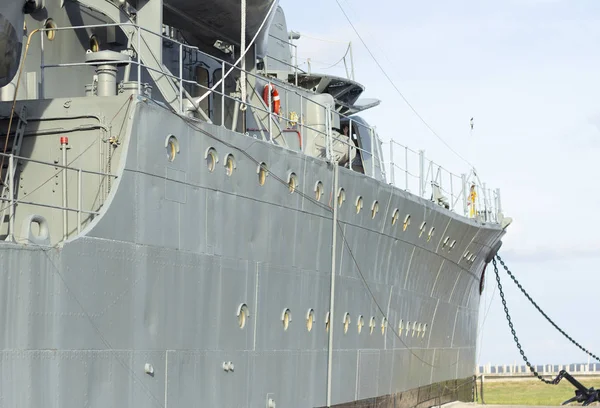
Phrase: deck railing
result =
(9, 201)
(464, 194)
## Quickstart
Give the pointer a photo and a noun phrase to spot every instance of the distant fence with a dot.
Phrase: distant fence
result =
(510, 370)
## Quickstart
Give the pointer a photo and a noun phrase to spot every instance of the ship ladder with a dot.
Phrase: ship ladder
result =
(15, 150)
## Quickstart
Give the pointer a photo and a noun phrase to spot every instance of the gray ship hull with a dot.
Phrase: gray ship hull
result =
(144, 306)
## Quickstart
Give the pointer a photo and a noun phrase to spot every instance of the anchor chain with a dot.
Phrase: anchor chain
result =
(512, 330)
(586, 351)
(583, 395)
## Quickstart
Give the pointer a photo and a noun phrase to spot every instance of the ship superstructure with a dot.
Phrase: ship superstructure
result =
(189, 219)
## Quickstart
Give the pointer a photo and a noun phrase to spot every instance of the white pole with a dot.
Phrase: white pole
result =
(243, 56)
(332, 293)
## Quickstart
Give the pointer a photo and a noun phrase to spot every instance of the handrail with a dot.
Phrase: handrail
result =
(430, 177)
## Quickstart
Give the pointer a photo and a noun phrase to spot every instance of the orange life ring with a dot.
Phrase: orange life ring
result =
(275, 101)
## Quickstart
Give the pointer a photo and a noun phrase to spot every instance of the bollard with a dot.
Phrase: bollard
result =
(481, 392)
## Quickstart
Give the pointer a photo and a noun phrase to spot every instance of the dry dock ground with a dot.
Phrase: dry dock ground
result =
(529, 391)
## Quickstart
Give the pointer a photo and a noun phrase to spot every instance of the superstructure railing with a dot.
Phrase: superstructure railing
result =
(464, 194)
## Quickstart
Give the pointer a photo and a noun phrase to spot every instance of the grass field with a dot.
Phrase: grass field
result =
(531, 391)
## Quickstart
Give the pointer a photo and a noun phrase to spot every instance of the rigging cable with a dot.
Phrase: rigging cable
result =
(412, 108)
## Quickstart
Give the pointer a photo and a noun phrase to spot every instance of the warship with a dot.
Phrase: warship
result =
(190, 219)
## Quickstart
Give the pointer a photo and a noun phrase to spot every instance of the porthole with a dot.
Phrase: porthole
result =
(452, 244)
(445, 242)
(211, 159)
(172, 146)
(286, 318)
(407, 329)
(346, 322)
(473, 258)
(262, 173)
(292, 182)
(383, 325)
(229, 164)
(466, 254)
(424, 330)
(371, 325)
(327, 322)
(422, 228)
(359, 204)
(430, 235)
(400, 327)
(406, 222)
(242, 315)
(360, 323)
(395, 216)
(374, 209)
(310, 319)
(414, 328)
(50, 29)
(419, 330)
(319, 190)
(94, 44)
(341, 197)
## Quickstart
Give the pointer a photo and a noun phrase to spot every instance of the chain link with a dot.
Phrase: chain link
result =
(586, 351)
(512, 330)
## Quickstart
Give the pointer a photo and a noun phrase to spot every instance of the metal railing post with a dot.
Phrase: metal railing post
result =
(451, 192)
(79, 199)
(406, 168)
(180, 78)
(350, 145)
(300, 120)
(498, 203)
(42, 63)
(463, 178)
(270, 113)
(139, 59)
(223, 93)
(392, 169)
(296, 65)
(11, 186)
(485, 203)
(421, 173)
(372, 134)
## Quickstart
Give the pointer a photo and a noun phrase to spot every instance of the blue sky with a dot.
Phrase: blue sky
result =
(528, 71)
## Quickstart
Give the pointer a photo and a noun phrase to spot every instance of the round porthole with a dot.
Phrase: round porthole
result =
(94, 44)
(422, 228)
(292, 182)
(371, 325)
(327, 322)
(359, 204)
(242, 315)
(374, 209)
(452, 244)
(319, 190)
(286, 318)
(262, 173)
(395, 216)
(430, 235)
(406, 222)
(360, 323)
(310, 319)
(172, 146)
(407, 329)
(211, 159)
(341, 197)
(400, 327)
(383, 325)
(424, 330)
(229, 164)
(50, 29)
(346, 322)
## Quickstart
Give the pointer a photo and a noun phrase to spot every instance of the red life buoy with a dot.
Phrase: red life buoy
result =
(275, 101)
